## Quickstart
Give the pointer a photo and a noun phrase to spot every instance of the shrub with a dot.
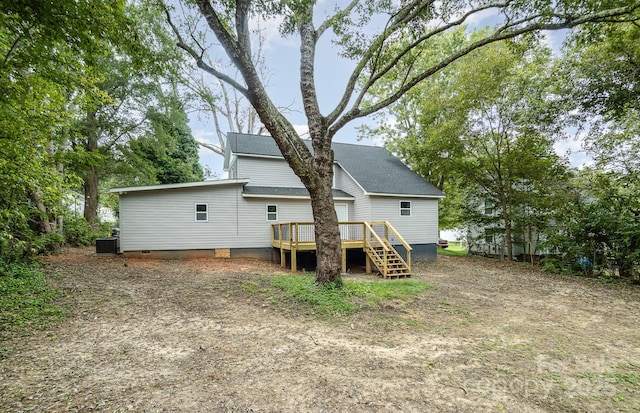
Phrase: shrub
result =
(77, 231)
(26, 301)
(552, 265)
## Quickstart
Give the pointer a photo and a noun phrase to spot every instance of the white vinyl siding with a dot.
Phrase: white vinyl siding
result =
(267, 172)
(164, 220)
(359, 209)
(419, 228)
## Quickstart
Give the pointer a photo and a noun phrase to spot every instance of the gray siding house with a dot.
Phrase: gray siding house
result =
(234, 217)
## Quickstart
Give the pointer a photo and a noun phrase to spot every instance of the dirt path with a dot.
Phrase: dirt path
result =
(199, 336)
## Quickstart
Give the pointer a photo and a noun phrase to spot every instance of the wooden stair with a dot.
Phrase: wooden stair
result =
(390, 264)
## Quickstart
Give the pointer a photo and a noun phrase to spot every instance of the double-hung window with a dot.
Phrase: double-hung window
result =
(202, 212)
(405, 208)
(272, 212)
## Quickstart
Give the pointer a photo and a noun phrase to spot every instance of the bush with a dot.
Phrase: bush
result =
(552, 265)
(78, 232)
(26, 301)
(47, 243)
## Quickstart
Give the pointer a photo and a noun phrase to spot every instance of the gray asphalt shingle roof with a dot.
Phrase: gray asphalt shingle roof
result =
(373, 167)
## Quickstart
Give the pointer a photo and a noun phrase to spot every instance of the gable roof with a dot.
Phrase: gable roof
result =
(372, 167)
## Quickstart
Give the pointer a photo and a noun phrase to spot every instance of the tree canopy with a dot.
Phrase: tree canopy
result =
(376, 59)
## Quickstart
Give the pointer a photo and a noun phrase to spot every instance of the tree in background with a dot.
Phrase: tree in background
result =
(483, 129)
(357, 35)
(601, 72)
(41, 45)
(114, 115)
(167, 153)
(74, 84)
(601, 220)
(227, 108)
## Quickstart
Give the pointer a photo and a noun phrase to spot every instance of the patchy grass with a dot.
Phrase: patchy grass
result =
(26, 301)
(346, 297)
(454, 249)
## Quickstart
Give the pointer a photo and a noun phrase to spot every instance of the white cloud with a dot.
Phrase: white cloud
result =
(269, 29)
(572, 150)
(487, 17)
(302, 130)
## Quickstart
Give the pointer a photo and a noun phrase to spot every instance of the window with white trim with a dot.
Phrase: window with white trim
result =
(202, 212)
(272, 212)
(405, 208)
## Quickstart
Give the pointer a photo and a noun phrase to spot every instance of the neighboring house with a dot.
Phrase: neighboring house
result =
(488, 239)
(235, 217)
(74, 202)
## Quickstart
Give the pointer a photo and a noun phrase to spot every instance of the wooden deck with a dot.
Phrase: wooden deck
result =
(375, 238)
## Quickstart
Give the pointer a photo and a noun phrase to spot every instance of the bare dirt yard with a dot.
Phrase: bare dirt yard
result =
(213, 335)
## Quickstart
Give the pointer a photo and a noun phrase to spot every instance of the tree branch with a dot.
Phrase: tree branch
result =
(308, 38)
(502, 33)
(211, 147)
(198, 57)
(399, 19)
(342, 13)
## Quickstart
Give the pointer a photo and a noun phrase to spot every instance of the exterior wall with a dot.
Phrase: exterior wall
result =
(254, 227)
(359, 209)
(165, 220)
(266, 172)
(419, 228)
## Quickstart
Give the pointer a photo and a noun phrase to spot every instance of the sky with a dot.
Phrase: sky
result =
(332, 71)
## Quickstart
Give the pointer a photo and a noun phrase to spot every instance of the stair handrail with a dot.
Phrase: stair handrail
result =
(404, 243)
(372, 231)
(385, 248)
(398, 236)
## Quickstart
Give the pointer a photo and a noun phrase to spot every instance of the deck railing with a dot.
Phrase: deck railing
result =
(300, 236)
(304, 232)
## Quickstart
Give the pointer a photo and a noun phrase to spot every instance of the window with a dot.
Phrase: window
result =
(491, 235)
(202, 212)
(405, 208)
(272, 212)
(489, 207)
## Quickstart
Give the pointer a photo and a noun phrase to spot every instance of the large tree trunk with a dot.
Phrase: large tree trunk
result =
(91, 196)
(328, 242)
(314, 170)
(90, 177)
(42, 220)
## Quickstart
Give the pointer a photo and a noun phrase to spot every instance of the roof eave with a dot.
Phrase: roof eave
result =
(122, 191)
(306, 197)
(404, 195)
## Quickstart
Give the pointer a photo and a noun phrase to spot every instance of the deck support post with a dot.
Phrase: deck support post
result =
(283, 257)
(294, 259)
(367, 264)
(344, 260)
